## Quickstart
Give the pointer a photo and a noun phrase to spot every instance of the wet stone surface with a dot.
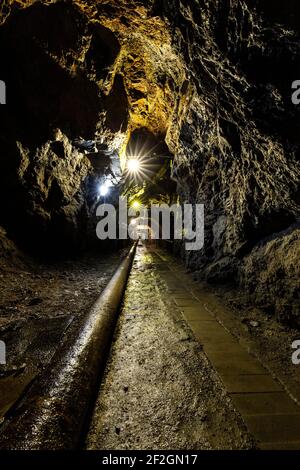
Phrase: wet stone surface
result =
(159, 391)
(39, 304)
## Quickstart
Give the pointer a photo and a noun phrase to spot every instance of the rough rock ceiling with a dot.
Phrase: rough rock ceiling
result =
(91, 70)
(139, 68)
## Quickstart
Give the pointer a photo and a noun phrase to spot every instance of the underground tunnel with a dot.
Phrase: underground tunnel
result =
(149, 225)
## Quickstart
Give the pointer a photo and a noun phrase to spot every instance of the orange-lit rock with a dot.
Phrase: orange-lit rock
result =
(208, 82)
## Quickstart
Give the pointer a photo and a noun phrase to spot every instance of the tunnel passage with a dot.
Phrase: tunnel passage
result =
(153, 182)
(182, 83)
(68, 81)
(143, 141)
(176, 103)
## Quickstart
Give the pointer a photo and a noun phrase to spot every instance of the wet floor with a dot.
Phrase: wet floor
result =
(183, 372)
(159, 390)
(39, 305)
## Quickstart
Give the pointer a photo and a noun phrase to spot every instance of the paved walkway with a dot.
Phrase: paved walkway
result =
(270, 415)
(159, 390)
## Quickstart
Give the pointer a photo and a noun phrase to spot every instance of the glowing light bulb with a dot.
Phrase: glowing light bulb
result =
(104, 189)
(133, 165)
(136, 204)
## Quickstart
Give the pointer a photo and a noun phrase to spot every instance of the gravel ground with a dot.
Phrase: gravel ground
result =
(159, 391)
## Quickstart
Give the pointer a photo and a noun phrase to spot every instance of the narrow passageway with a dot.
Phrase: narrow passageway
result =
(159, 390)
(182, 371)
(177, 377)
(149, 225)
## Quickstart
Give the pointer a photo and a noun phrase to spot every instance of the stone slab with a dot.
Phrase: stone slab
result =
(252, 383)
(197, 314)
(274, 428)
(186, 302)
(237, 365)
(265, 403)
(207, 333)
(231, 347)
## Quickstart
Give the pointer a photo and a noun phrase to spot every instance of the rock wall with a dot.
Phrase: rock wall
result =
(76, 71)
(237, 149)
(211, 78)
(50, 102)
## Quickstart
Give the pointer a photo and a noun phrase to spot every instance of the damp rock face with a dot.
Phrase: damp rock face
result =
(91, 73)
(210, 79)
(50, 104)
(237, 149)
(271, 275)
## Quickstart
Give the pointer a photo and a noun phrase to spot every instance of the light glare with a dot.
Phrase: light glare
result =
(104, 190)
(136, 204)
(133, 165)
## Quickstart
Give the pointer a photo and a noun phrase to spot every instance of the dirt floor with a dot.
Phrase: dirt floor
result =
(159, 390)
(39, 303)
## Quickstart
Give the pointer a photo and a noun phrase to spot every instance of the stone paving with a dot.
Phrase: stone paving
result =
(270, 414)
(159, 390)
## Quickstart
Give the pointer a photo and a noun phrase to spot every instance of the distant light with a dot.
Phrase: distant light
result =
(133, 165)
(104, 190)
(136, 204)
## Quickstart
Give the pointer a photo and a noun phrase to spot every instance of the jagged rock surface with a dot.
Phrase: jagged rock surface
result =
(212, 78)
(93, 70)
(237, 150)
